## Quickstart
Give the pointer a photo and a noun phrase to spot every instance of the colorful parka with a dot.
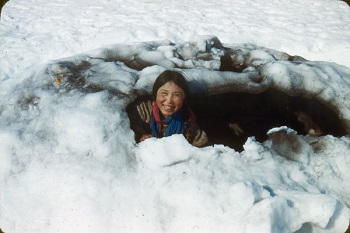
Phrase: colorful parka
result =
(140, 119)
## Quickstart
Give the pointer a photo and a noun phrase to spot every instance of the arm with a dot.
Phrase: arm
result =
(140, 118)
(195, 135)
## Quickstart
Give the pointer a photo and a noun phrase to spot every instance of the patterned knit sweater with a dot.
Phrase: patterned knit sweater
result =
(140, 119)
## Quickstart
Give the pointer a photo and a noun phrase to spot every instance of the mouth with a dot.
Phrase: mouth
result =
(168, 108)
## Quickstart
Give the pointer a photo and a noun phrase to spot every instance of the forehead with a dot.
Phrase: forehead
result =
(171, 87)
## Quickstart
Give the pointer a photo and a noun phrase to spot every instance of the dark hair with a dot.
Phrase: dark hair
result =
(170, 76)
(178, 79)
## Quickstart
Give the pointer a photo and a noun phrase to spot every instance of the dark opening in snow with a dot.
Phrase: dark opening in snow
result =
(231, 118)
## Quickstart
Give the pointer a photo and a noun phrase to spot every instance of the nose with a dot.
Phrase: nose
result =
(169, 99)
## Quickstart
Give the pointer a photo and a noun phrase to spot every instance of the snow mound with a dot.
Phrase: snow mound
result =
(132, 69)
(70, 163)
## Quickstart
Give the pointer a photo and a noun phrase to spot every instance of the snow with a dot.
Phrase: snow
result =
(69, 162)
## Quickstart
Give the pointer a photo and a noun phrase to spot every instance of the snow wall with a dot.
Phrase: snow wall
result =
(67, 148)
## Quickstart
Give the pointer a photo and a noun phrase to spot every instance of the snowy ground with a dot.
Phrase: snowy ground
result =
(69, 162)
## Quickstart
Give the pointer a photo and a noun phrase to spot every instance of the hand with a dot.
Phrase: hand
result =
(145, 136)
(236, 128)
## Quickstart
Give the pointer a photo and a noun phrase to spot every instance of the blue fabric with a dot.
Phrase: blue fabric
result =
(175, 125)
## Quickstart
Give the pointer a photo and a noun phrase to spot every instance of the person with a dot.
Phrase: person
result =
(167, 112)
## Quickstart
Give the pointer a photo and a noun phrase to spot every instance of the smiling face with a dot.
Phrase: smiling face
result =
(170, 98)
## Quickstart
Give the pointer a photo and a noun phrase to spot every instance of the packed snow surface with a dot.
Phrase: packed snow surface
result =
(69, 162)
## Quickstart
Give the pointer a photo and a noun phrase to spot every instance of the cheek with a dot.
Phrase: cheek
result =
(179, 102)
(160, 98)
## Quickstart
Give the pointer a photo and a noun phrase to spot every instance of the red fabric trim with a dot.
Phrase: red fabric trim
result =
(192, 116)
(156, 112)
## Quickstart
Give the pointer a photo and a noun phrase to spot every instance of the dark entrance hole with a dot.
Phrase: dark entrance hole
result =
(223, 115)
